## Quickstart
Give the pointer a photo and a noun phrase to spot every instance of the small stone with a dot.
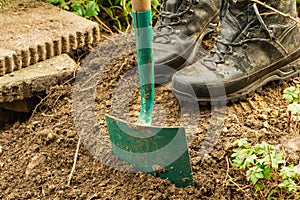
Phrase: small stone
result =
(195, 160)
(35, 123)
(35, 161)
(262, 131)
(275, 113)
(50, 136)
(39, 141)
(273, 121)
(263, 116)
(266, 124)
(225, 130)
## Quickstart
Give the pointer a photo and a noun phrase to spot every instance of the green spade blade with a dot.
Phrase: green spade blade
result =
(160, 151)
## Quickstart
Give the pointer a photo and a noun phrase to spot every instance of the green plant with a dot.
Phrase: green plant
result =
(86, 8)
(111, 14)
(266, 169)
(83, 8)
(60, 3)
(118, 12)
(292, 95)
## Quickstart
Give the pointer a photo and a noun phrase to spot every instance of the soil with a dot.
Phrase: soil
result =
(37, 154)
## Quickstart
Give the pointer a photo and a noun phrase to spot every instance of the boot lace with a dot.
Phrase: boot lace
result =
(246, 36)
(165, 29)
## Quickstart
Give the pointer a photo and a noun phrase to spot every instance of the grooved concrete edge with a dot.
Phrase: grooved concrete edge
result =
(21, 50)
(34, 79)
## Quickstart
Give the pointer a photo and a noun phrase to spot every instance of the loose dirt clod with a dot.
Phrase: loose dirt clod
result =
(35, 161)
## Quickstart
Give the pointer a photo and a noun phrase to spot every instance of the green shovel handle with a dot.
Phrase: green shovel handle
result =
(142, 21)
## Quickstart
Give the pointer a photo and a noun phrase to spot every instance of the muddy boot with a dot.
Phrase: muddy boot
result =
(255, 46)
(181, 26)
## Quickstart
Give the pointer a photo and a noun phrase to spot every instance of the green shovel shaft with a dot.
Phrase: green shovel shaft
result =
(143, 38)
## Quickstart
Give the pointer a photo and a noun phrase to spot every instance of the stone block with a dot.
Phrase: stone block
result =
(32, 31)
(29, 81)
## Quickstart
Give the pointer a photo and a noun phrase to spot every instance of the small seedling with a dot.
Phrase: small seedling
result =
(292, 95)
(265, 169)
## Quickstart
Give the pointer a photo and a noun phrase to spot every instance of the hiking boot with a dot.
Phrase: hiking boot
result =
(180, 27)
(255, 46)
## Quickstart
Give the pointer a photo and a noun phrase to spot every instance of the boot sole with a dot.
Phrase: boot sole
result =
(190, 53)
(286, 72)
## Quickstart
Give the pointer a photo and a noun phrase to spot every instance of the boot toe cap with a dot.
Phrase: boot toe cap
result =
(197, 81)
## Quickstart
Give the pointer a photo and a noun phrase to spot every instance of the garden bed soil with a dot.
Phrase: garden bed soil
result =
(37, 155)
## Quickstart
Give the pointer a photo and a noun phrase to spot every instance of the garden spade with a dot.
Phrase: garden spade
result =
(160, 151)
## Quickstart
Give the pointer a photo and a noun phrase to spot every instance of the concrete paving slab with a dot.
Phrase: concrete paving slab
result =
(30, 81)
(32, 31)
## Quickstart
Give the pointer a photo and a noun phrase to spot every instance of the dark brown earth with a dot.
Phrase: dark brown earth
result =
(37, 154)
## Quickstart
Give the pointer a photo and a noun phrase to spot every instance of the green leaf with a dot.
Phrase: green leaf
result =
(76, 6)
(259, 186)
(265, 160)
(277, 159)
(291, 94)
(261, 148)
(243, 158)
(80, 11)
(294, 108)
(297, 170)
(266, 172)
(252, 178)
(243, 142)
(289, 184)
(254, 173)
(65, 7)
(250, 159)
(54, 2)
(289, 172)
(110, 13)
(155, 3)
(91, 9)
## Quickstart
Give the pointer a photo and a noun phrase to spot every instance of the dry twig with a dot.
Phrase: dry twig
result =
(270, 189)
(277, 11)
(74, 163)
(227, 172)
(103, 25)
